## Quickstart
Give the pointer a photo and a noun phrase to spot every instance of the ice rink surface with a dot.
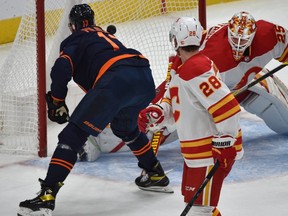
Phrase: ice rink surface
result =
(257, 185)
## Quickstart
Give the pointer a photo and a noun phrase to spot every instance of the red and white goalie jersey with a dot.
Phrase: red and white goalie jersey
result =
(268, 99)
(201, 106)
(269, 42)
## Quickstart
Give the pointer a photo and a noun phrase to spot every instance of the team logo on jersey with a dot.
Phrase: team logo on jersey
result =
(188, 188)
(246, 58)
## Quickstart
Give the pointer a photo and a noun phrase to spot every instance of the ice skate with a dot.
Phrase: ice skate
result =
(43, 204)
(155, 180)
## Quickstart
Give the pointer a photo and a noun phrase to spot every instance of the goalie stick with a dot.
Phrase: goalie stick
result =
(245, 88)
(158, 138)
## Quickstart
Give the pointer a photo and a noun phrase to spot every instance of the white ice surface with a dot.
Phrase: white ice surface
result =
(257, 186)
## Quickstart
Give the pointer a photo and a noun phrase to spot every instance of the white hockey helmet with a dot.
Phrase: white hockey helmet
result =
(185, 31)
(241, 31)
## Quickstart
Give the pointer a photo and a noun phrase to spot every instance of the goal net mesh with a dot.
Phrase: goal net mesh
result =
(143, 25)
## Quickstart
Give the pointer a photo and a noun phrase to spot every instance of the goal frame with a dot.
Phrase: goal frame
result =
(41, 81)
(41, 67)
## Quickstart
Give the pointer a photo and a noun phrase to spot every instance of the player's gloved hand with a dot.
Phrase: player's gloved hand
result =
(57, 111)
(151, 118)
(224, 151)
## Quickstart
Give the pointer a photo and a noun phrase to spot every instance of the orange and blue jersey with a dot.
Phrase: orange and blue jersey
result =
(85, 56)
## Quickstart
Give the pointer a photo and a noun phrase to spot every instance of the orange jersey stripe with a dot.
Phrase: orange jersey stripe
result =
(201, 155)
(114, 45)
(225, 108)
(70, 60)
(196, 149)
(108, 64)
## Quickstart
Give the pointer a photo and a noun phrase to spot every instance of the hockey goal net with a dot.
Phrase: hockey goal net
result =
(143, 25)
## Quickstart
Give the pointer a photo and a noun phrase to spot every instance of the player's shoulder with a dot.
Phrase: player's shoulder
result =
(265, 24)
(267, 31)
(214, 34)
(266, 28)
(71, 40)
(216, 30)
(195, 66)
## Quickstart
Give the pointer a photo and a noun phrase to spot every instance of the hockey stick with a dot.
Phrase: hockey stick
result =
(156, 140)
(157, 137)
(216, 165)
(245, 88)
(200, 189)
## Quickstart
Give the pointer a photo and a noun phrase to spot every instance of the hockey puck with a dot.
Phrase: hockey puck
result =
(111, 29)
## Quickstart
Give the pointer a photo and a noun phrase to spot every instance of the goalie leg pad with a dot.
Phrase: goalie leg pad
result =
(90, 151)
(270, 106)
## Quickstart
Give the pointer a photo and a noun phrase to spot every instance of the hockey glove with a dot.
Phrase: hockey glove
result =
(224, 151)
(151, 118)
(57, 111)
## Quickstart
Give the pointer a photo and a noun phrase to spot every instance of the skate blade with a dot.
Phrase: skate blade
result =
(168, 171)
(28, 212)
(158, 189)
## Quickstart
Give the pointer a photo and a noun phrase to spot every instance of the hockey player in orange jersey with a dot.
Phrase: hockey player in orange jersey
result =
(206, 116)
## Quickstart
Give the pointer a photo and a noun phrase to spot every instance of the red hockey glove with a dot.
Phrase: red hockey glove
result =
(151, 118)
(224, 151)
(57, 111)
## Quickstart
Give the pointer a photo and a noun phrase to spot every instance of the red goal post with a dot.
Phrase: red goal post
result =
(24, 75)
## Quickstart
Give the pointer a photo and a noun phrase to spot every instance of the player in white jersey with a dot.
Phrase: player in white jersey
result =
(241, 49)
(206, 116)
(239, 64)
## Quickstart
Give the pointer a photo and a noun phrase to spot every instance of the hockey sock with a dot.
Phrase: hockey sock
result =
(71, 139)
(141, 148)
(61, 164)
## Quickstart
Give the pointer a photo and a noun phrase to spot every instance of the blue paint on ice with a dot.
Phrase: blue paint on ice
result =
(266, 155)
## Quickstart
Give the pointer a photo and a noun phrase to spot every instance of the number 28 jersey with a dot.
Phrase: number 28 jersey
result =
(201, 106)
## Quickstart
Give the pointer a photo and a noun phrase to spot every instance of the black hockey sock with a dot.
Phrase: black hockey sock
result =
(71, 139)
(141, 148)
(61, 164)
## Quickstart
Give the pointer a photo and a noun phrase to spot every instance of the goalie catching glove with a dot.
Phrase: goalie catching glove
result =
(57, 110)
(224, 151)
(151, 118)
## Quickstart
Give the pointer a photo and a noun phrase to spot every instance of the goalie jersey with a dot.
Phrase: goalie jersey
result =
(201, 106)
(270, 42)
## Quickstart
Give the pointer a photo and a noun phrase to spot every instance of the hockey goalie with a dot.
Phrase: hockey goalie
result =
(241, 48)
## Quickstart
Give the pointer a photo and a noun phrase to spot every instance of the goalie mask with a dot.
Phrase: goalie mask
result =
(81, 16)
(185, 31)
(241, 31)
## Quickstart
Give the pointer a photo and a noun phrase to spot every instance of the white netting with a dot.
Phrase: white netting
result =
(143, 25)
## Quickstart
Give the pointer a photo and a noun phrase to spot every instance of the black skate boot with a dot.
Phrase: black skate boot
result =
(155, 180)
(43, 204)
